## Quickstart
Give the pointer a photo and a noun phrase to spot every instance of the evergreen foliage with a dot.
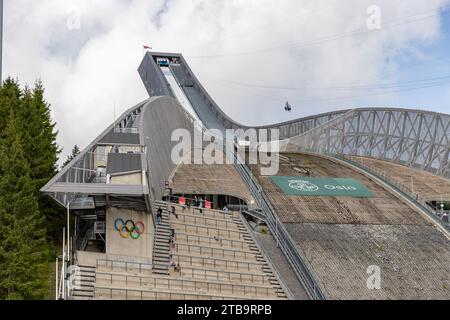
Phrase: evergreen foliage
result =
(75, 152)
(28, 219)
(24, 250)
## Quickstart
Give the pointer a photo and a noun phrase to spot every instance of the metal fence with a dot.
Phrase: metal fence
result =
(289, 247)
(418, 201)
(174, 284)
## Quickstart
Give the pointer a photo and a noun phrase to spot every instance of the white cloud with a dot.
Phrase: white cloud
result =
(292, 43)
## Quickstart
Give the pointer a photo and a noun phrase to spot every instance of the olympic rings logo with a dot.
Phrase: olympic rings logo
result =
(129, 228)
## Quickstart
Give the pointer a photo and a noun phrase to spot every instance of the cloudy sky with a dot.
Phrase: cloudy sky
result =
(251, 55)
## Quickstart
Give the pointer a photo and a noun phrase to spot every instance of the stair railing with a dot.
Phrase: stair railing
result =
(289, 247)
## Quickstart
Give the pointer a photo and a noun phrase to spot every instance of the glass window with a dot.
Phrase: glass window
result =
(101, 150)
(101, 172)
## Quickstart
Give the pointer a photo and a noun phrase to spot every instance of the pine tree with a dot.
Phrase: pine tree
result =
(40, 147)
(40, 150)
(24, 253)
(75, 152)
(11, 96)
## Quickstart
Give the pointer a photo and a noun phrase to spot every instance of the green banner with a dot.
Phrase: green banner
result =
(306, 186)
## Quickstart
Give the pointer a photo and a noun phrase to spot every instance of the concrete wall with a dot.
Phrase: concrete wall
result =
(89, 259)
(97, 162)
(153, 79)
(126, 149)
(116, 245)
(160, 119)
(135, 178)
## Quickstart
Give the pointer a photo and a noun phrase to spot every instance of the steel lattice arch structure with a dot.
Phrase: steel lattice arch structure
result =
(126, 171)
(413, 138)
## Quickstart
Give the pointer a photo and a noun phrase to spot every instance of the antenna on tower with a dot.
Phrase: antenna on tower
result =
(114, 99)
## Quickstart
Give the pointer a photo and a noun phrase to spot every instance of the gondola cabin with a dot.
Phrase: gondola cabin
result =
(163, 62)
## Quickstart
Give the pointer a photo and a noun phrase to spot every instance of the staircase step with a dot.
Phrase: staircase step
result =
(161, 253)
(84, 284)
(163, 246)
(161, 270)
(163, 235)
(166, 273)
(80, 293)
(164, 259)
(82, 298)
(163, 249)
(161, 266)
(87, 280)
(87, 269)
(84, 289)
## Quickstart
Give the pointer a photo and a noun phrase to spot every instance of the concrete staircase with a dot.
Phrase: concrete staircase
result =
(161, 244)
(218, 258)
(246, 258)
(83, 283)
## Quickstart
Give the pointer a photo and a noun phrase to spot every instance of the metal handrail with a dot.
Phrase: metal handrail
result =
(210, 240)
(157, 227)
(126, 130)
(190, 248)
(188, 284)
(402, 189)
(270, 262)
(288, 246)
(216, 212)
(203, 220)
(204, 273)
(164, 295)
(229, 233)
(293, 254)
(88, 236)
(215, 262)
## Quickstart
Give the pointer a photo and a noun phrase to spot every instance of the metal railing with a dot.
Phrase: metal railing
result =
(223, 253)
(190, 238)
(210, 231)
(224, 275)
(126, 130)
(154, 295)
(208, 213)
(217, 262)
(100, 180)
(90, 235)
(280, 279)
(397, 186)
(207, 221)
(100, 227)
(238, 207)
(255, 214)
(164, 206)
(174, 284)
(194, 272)
(289, 247)
(284, 240)
(193, 204)
(127, 265)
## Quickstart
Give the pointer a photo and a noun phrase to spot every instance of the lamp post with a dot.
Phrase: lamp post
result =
(68, 233)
